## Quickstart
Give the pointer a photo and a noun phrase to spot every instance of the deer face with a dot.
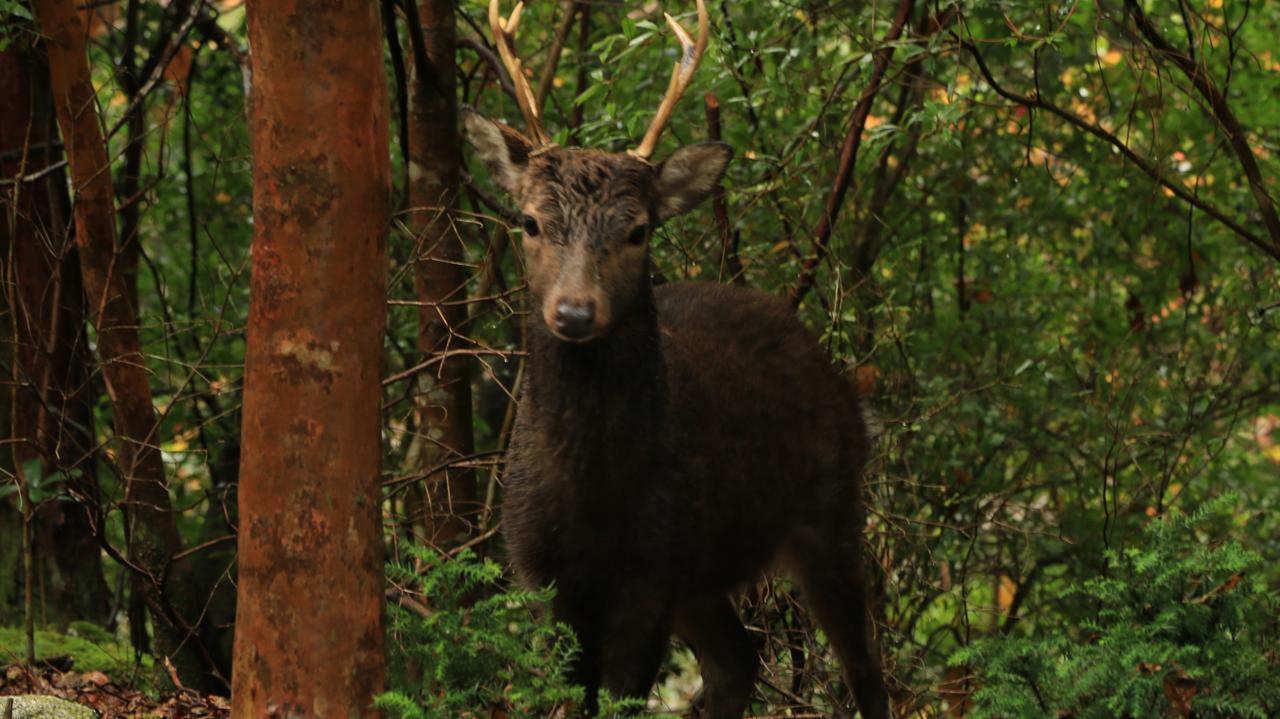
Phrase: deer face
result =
(587, 217)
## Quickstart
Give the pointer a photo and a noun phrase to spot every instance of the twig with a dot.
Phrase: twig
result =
(490, 59)
(202, 546)
(584, 45)
(465, 460)
(478, 539)
(728, 246)
(403, 599)
(553, 53)
(173, 675)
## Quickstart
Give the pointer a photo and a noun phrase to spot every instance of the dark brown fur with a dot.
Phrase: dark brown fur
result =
(700, 433)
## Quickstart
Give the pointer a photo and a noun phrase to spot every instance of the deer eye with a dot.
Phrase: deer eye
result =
(530, 226)
(638, 235)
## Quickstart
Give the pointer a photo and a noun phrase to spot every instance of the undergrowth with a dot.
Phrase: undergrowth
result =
(462, 644)
(1184, 626)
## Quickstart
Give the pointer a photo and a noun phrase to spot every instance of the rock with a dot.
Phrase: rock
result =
(40, 707)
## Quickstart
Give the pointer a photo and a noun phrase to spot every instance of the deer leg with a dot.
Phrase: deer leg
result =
(586, 668)
(634, 643)
(832, 574)
(726, 656)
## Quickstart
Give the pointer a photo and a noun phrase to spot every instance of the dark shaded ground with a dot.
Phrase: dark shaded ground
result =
(97, 691)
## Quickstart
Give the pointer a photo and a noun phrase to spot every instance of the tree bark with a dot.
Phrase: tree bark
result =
(444, 395)
(150, 525)
(309, 626)
(51, 416)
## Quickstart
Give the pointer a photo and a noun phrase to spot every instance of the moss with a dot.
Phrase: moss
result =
(91, 647)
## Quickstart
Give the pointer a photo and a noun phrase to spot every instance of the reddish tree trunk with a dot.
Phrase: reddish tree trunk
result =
(309, 630)
(444, 392)
(153, 533)
(51, 414)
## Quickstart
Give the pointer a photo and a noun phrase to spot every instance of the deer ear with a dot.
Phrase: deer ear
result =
(502, 148)
(689, 175)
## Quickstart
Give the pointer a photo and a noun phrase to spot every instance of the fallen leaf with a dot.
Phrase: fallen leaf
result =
(1179, 689)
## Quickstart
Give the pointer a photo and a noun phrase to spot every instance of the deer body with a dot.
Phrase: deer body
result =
(657, 470)
(697, 437)
(670, 442)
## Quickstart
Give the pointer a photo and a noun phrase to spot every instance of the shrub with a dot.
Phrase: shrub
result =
(1183, 628)
(478, 646)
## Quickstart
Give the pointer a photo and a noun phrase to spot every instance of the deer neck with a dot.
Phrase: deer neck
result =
(608, 394)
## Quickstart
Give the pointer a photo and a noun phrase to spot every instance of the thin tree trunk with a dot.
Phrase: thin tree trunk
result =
(309, 627)
(51, 415)
(151, 527)
(584, 46)
(444, 395)
(131, 171)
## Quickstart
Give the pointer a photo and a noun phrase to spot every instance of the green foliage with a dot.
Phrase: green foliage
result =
(91, 648)
(1180, 624)
(472, 657)
(467, 644)
(40, 487)
(15, 20)
(1059, 347)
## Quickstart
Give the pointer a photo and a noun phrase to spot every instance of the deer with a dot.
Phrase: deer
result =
(671, 442)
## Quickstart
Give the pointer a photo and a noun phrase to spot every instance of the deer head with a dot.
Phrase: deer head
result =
(587, 215)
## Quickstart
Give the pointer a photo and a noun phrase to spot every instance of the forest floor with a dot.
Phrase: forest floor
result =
(99, 692)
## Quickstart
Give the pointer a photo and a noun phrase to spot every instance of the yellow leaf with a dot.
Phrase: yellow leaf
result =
(1273, 453)
(779, 247)
(1008, 589)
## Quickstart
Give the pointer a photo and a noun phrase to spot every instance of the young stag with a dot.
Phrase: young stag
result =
(671, 441)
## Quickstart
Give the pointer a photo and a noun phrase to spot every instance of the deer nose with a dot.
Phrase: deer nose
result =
(575, 320)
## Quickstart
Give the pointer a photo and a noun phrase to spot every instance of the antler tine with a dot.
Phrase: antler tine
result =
(504, 35)
(681, 76)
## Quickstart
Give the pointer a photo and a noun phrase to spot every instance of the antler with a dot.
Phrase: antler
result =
(681, 75)
(504, 34)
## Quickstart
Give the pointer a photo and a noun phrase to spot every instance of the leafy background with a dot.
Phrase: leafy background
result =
(1070, 362)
